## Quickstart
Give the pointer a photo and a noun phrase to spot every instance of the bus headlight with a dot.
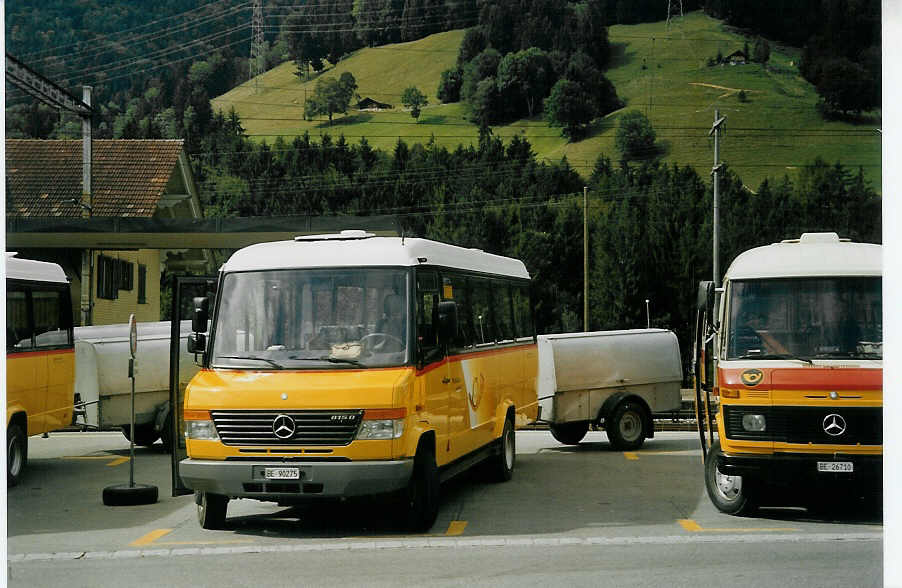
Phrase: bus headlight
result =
(199, 425)
(381, 429)
(382, 423)
(754, 422)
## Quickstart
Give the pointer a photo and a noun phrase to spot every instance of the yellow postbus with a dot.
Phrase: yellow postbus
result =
(40, 356)
(791, 350)
(348, 364)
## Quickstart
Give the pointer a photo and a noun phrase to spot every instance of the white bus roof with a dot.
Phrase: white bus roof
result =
(811, 255)
(36, 271)
(358, 249)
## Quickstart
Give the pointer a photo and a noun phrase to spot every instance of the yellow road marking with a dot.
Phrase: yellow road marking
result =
(456, 528)
(108, 456)
(630, 455)
(118, 461)
(149, 538)
(692, 526)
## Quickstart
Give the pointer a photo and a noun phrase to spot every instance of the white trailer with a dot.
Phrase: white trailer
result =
(103, 387)
(610, 379)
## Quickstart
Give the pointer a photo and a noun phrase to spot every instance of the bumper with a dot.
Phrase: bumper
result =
(792, 467)
(246, 479)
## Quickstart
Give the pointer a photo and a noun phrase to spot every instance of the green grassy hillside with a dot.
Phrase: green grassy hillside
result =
(661, 71)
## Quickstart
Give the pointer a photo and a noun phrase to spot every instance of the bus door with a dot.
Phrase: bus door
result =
(184, 290)
(53, 337)
(26, 375)
(703, 364)
(435, 385)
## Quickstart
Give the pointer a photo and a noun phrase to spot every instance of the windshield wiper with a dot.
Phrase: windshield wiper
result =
(274, 364)
(775, 356)
(342, 360)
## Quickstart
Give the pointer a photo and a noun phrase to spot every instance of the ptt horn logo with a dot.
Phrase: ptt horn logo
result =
(751, 377)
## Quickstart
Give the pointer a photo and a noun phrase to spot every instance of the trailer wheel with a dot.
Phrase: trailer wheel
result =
(420, 500)
(16, 453)
(570, 433)
(211, 509)
(626, 425)
(730, 494)
(145, 434)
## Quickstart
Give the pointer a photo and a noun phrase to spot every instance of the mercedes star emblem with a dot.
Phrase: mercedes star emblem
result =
(283, 426)
(834, 425)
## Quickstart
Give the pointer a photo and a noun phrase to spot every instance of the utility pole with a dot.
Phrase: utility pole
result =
(585, 258)
(715, 130)
(671, 10)
(258, 46)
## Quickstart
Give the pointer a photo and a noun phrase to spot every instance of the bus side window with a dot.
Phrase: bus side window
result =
(501, 306)
(483, 321)
(18, 325)
(522, 311)
(49, 327)
(427, 314)
(454, 287)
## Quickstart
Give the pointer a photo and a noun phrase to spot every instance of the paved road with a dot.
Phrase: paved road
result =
(584, 515)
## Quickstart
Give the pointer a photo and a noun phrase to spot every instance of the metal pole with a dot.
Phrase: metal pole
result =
(715, 130)
(585, 258)
(647, 315)
(86, 205)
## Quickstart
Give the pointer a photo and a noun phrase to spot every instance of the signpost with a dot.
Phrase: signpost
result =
(131, 494)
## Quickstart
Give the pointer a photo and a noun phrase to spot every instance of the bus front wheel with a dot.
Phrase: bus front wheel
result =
(420, 500)
(730, 494)
(211, 509)
(16, 453)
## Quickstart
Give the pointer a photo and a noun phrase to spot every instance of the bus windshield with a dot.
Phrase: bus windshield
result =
(312, 319)
(805, 318)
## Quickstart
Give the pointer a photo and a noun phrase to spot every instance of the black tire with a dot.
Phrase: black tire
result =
(626, 426)
(500, 467)
(420, 501)
(211, 509)
(125, 495)
(731, 495)
(145, 435)
(16, 453)
(570, 433)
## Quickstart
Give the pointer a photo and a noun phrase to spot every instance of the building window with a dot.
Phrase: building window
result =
(142, 284)
(107, 277)
(126, 275)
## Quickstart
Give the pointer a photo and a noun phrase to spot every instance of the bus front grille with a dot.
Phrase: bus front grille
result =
(290, 427)
(809, 424)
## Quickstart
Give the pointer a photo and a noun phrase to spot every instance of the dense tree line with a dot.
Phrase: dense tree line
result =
(840, 40)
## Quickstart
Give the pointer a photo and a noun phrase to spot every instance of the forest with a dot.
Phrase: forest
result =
(649, 223)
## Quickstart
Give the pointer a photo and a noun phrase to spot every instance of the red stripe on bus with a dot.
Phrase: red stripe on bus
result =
(463, 356)
(808, 378)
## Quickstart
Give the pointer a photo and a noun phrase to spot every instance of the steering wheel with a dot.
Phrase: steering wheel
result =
(381, 343)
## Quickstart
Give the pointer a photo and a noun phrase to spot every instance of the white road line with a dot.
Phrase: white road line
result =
(453, 543)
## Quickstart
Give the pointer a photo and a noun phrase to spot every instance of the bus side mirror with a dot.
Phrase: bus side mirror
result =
(705, 300)
(197, 343)
(447, 321)
(201, 314)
